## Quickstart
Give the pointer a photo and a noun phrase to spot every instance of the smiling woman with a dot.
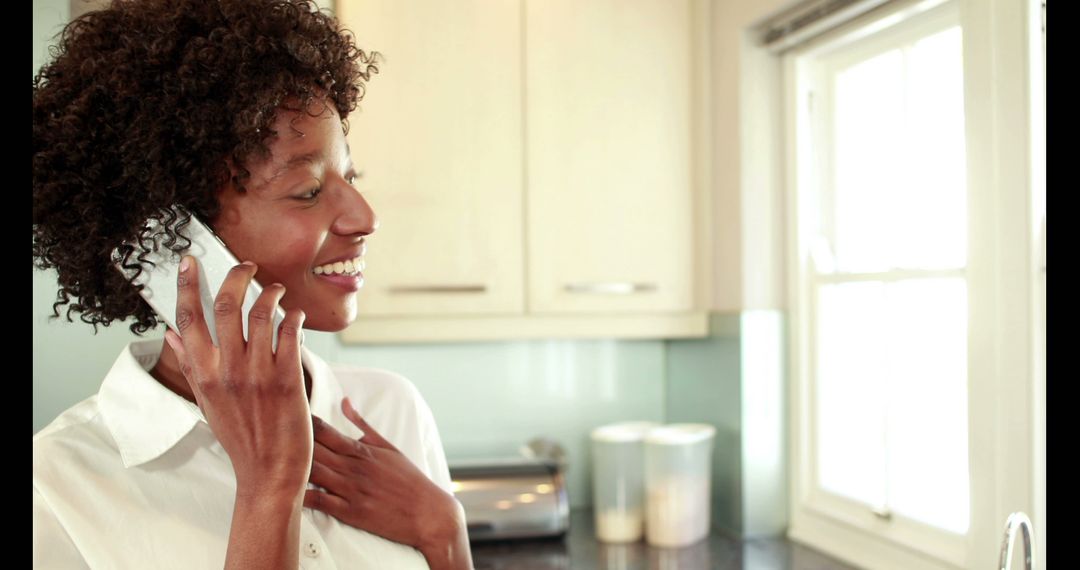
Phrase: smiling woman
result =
(202, 454)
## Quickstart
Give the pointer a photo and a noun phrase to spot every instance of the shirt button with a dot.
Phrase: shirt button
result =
(311, 550)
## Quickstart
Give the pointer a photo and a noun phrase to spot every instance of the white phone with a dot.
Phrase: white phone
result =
(214, 261)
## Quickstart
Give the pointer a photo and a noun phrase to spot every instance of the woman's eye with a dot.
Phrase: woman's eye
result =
(310, 195)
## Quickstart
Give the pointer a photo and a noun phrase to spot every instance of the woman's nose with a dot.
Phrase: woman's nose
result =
(356, 215)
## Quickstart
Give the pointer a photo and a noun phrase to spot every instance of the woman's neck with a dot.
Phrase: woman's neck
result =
(167, 373)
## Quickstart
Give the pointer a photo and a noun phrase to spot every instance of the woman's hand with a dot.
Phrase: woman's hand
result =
(372, 486)
(254, 400)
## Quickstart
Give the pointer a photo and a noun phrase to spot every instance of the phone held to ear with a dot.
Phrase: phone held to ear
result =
(214, 263)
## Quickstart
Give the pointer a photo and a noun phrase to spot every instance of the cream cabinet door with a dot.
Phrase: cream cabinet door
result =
(608, 143)
(438, 136)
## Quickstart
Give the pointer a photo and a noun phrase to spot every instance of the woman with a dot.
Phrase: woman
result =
(194, 455)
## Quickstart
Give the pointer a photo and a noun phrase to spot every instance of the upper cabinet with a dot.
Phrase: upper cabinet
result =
(608, 147)
(530, 165)
(438, 136)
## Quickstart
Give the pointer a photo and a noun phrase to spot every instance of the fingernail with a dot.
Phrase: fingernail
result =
(185, 264)
(247, 263)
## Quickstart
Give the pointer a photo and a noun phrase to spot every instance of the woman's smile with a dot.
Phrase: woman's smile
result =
(347, 274)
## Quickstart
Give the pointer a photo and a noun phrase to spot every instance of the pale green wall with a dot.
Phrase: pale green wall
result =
(49, 16)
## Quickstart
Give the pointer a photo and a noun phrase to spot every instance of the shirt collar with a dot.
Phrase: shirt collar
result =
(147, 419)
(326, 391)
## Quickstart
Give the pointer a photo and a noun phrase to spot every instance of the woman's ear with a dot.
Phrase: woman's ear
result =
(232, 169)
(228, 181)
(226, 191)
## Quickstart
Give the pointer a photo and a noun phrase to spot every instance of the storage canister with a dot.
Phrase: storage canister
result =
(618, 480)
(678, 470)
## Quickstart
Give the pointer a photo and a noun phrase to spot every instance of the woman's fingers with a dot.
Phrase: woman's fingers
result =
(329, 436)
(177, 345)
(229, 312)
(290, 332)
(352, 464)
(384, 493)
(371, 436)
(190, 323)
(261, 323)
(330, 504)
(326, 476)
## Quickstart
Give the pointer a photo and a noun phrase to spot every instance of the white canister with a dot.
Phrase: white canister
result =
(678, 469)
(618, 462)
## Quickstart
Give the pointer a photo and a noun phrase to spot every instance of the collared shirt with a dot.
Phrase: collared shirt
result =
(133, 477)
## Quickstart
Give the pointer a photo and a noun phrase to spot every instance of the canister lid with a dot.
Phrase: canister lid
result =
(680, 434)
(623, 431)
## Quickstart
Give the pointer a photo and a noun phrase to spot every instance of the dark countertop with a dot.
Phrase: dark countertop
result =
(580, 550)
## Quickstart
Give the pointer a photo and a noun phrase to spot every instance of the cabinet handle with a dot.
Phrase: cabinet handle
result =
(610, 288)
(438, 288)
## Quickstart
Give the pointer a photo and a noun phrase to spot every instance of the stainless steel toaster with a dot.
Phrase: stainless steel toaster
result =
(512, 498)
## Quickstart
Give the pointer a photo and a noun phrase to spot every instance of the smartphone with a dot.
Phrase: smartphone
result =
(215, 261)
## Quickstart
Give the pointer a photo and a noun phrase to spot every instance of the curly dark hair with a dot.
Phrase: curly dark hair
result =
(144, 105)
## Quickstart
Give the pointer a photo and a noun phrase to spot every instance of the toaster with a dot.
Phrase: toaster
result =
(512, 498)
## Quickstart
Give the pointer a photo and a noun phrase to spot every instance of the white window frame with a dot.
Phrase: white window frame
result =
(1006, 446)
(1036, 33)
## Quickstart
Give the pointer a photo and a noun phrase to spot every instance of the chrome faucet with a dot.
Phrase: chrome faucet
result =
(1015, 521)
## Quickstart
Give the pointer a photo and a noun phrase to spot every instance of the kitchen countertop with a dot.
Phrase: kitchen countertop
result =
(579, 550)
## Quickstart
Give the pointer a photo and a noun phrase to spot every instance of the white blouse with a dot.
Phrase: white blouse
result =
(133, 477)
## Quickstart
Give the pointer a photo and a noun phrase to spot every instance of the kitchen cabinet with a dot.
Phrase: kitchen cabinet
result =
(530, 164)
(608, 133)
(438, 138)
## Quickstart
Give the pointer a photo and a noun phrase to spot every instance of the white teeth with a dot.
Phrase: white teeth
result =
(341, 267)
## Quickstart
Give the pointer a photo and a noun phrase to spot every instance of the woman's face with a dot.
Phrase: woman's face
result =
(301, 211)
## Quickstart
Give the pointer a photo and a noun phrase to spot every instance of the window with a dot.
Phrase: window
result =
(889, 284)
(914, 299)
